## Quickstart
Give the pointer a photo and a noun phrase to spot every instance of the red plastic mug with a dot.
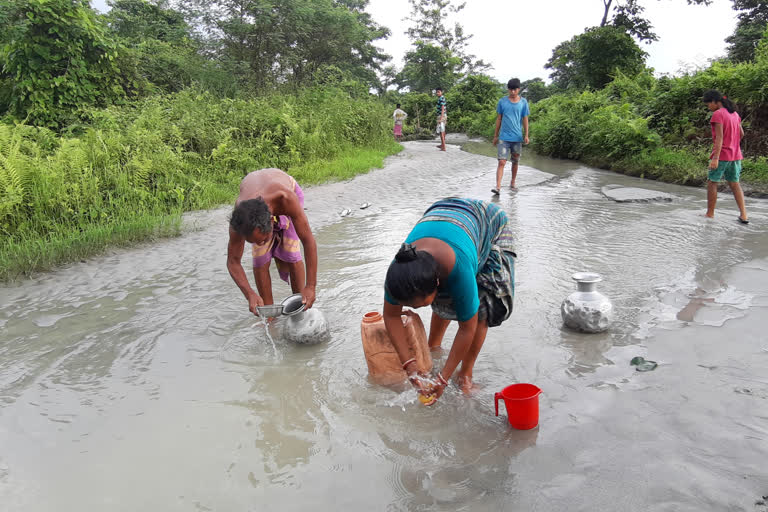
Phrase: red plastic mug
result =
(522, 402)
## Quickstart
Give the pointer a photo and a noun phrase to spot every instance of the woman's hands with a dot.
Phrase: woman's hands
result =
(429, 387)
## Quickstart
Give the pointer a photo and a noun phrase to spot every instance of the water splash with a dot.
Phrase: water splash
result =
(403, 399)
(265, 323)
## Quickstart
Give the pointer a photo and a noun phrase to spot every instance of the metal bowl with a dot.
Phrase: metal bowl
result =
(292, 305)
(270, 311)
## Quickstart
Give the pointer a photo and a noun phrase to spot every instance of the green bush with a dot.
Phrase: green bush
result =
(755, 170)
(168, 154)
(656, 128)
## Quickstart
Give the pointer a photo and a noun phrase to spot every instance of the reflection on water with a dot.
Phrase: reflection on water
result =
(140, 381)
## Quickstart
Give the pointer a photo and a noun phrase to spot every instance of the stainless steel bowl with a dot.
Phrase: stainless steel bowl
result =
(292, 305)
(270, 311)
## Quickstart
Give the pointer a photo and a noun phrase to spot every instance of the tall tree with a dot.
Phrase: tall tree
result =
(590, 59)
(628, 15)
(137, 20)
(387, 78)
(428, 66)
(159, 41)
(60, 58)
(290, 40)
(430, 27)
(536, 89)
(753, 19)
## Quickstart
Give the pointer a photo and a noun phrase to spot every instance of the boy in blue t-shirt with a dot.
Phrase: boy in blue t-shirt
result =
(512, 120)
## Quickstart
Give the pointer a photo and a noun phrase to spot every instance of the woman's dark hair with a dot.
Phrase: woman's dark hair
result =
(412, 275)
(249, 215)
(714, 96)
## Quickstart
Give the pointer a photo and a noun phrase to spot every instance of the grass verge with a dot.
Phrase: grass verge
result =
(19, 258)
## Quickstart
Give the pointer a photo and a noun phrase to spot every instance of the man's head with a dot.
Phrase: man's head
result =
(398, 106)
(514, 85)
(252, 220)
(439, 91)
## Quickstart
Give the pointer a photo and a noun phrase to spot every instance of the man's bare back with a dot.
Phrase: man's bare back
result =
(264, 196)
(272, 185)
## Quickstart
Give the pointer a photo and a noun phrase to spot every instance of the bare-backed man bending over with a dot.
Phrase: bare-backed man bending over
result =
(269, 213)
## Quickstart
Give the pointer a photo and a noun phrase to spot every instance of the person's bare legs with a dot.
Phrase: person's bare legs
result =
(515, 158)
(263, 283)
(738, 195)
(500, 173)
(711, 198)
(442, 141)
(464, 376)
(297, 275)
(437, 328)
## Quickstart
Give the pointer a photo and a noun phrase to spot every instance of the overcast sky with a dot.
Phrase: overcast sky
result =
(517, 37)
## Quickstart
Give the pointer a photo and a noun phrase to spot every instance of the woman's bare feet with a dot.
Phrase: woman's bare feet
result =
(436, 350)
(465, 384)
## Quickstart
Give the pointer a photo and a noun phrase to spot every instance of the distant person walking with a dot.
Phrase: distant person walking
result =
(725, 160)
(511, 131)
(441, 110)
(399, 117)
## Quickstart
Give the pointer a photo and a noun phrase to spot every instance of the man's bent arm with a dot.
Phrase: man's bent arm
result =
(234, 256)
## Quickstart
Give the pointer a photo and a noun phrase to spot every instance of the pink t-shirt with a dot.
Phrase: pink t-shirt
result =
(731, 134)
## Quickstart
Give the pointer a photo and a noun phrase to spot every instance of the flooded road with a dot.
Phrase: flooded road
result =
(139, 381)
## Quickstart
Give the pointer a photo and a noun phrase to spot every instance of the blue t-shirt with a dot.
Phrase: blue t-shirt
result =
(512, 115)
(462, 281)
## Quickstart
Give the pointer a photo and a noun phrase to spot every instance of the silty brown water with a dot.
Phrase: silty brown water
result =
(138, 380)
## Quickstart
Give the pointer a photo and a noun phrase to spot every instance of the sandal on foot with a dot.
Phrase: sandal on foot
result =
(495, 191)
(743, 221)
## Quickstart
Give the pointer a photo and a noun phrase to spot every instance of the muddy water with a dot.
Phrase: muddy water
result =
(138, 381)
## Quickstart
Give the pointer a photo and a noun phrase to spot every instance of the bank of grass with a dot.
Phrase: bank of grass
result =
(26, 256)
(130, 173)
(22, 257)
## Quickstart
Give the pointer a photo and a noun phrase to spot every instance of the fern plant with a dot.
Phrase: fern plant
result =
(12, 175)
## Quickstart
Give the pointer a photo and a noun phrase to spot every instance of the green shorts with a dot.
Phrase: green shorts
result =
(730, 170)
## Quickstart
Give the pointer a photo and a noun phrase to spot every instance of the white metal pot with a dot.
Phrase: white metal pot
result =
(305, 327)
(586, 309)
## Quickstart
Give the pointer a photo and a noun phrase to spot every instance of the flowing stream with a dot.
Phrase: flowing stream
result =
(139, 380)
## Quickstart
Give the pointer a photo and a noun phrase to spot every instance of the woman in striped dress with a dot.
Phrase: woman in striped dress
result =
(459, 260)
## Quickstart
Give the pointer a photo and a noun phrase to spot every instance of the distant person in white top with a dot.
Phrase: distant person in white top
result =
(512, 120)
(399, 117)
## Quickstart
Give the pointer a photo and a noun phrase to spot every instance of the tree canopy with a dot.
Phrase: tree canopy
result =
(439, 55)
(628, 15)
(281, 41)
(752, 22)
(59, 57)
(590, 59)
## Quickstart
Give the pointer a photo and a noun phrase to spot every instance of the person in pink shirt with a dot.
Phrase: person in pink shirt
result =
(725, 160)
